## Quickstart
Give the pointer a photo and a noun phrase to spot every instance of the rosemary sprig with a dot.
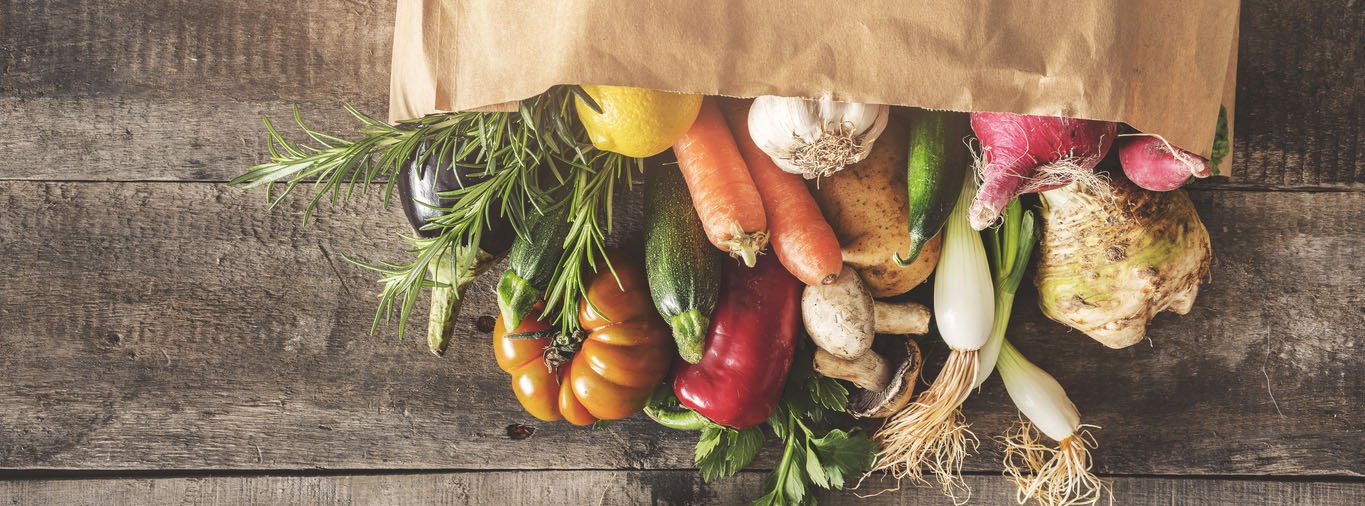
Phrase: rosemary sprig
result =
(538, 134)
(590, 211)
(336, 164)
(406, 281)
(524, 158)
(461, 228)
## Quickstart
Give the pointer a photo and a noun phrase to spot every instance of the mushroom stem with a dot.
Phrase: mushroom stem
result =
(869, 371)
(900, 318)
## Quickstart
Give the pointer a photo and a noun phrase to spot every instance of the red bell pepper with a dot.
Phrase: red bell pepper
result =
(749, 346)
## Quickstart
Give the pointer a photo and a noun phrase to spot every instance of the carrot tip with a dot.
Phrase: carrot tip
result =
(745, 246)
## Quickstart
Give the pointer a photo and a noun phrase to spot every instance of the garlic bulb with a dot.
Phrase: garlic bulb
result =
(815, 138)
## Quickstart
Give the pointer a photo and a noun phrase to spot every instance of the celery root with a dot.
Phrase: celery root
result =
(1113, 257)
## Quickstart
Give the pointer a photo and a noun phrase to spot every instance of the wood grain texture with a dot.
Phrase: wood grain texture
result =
(615, 488)
(145, 139)
(245, 49)
(1300, 113)
(184, 326)
(173, 89)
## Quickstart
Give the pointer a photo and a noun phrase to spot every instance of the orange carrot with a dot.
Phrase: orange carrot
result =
(802, 239)
(722, 190)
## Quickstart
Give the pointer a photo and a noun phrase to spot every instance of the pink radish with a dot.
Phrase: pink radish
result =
(1026, 154)
(1152, 163)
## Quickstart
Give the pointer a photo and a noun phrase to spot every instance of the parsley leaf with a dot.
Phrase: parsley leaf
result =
(794, 483)
(809, 458)
(815, 471)
(787, 483)
(746, 447)
(722, 451)
(812, 454)
(828, 393)
(842, 455)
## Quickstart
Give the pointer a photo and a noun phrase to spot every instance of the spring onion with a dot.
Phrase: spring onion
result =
(1053, 476)
(1059, 476)
(931, 432)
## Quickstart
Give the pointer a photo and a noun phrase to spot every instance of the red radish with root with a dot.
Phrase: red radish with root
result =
(1028, 154)
(1154, 164)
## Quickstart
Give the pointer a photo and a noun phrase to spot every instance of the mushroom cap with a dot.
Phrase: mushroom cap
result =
(839, 316)
(897, 394)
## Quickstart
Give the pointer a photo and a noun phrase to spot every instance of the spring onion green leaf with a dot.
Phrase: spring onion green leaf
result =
(1010, 247)
(1052, 476)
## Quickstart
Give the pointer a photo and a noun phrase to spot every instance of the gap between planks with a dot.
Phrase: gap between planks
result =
(620, 487)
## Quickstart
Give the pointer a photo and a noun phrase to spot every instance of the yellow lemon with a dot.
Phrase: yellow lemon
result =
(636, 122)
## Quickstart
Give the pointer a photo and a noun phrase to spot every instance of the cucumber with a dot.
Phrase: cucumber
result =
(682, 267)
(531, 264)
(935, 174)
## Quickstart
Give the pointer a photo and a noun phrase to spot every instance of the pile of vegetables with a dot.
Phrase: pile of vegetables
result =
(782, 241)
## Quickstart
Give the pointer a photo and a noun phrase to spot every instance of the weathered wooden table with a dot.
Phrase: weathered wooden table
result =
(165, 339)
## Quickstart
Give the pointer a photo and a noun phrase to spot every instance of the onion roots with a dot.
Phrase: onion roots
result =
(931, 433)
(1059, 476)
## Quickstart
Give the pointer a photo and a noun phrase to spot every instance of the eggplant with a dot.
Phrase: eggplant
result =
(419, 188)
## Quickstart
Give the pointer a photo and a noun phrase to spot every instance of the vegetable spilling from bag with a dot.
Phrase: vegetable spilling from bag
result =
(783, 240)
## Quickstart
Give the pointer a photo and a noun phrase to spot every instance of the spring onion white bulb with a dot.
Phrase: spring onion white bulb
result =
(815, 138)
(931, 432)
(1038, 395)
(1052, 476)
(964, 294)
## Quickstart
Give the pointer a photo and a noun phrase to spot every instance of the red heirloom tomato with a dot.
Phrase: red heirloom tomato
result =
(626, 350)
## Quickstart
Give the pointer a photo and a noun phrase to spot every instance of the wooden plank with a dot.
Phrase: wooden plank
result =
(141, 139)
(172, 89)
(244, 49)
(183, 326)
(175, 89)
(1300, 116)
(616, 487)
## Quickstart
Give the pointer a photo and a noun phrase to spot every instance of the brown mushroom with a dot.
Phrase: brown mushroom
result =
(842, 318)
(881, 391)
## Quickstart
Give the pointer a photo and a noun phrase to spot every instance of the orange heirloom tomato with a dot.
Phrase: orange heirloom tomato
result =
(626, 353)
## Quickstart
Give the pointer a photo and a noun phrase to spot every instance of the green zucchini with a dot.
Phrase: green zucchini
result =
(682, 266)
(531, 264)
(935, 174)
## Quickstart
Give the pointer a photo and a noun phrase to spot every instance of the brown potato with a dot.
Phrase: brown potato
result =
(866, 205)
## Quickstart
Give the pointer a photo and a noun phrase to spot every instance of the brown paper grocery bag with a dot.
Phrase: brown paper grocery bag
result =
(1162, 66)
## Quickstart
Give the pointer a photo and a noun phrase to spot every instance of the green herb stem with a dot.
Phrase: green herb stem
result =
(522, 157)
